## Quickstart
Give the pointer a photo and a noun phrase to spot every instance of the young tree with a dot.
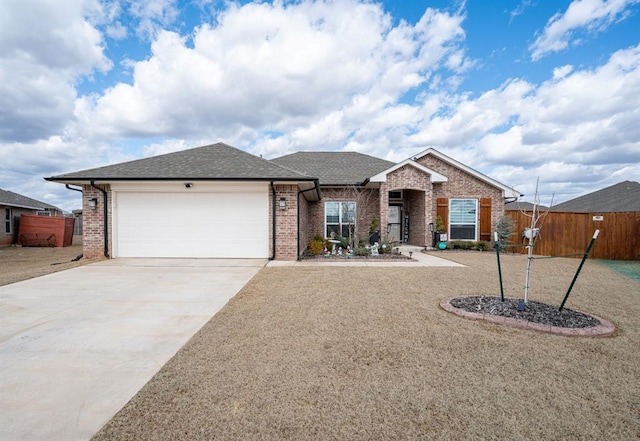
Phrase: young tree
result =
(504, 229)
(367, 206)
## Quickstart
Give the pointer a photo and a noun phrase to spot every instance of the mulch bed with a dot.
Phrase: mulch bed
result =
(535, 312)
(354, 257)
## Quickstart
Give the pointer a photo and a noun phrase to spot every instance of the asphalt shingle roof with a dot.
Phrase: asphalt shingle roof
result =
(12, 199)
(216, 161)
(521, 205)
(335, 168)
(622, 197)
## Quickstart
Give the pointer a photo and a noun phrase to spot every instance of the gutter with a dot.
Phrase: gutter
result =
(317, 189)
(106, 223)
(71, 188)
(273, 221)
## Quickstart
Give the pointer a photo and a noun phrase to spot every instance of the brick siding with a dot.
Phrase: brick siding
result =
(366, 207)
(463, 185)
(93, 222)
(419, 202)
(286, 223)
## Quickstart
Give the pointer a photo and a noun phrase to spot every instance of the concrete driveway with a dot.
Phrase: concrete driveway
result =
(76, 345)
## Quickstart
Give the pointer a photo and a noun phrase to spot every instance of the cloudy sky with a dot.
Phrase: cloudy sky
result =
(515, 89)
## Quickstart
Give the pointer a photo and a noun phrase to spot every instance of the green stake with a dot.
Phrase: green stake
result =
(495, 237)
(586, 253)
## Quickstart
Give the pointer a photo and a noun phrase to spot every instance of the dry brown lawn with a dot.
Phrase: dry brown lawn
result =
(22, 263)
(367, 354)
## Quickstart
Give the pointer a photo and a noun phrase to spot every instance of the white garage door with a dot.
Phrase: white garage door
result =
(225, 221)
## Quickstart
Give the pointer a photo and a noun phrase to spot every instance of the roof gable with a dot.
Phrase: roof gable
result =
(431, 151)
(434, 175)
(217, 161)
(621, 197)
(335, 168)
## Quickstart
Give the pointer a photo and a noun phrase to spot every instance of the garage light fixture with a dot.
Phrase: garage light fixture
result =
(283, 203)
(93, 203)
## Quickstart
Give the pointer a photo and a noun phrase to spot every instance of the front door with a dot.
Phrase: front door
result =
(394, 225)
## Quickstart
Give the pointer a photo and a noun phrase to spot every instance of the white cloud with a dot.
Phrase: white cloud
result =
(592, 15)
(152, 15)
(49, 157)
(44, 48)
(581, 128)
(117, 31)
(312, 75)
(519, 10)
(561, 72)
(275, 67)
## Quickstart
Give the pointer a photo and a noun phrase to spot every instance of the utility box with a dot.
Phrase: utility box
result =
(45, 231)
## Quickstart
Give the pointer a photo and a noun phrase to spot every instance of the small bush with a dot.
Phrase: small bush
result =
(505, 229)
(385, 248)
(361, 251)
(460, 244)
(316, 246)
(468, 245)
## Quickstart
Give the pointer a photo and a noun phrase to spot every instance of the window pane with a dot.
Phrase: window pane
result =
(345, 230)
(463, 211)
(332, 212)
(463, 219)
(463, 232)
(348, 212)
(332, 229)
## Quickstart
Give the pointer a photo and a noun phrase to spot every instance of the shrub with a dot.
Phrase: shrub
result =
(468, 245)
(460, 244)
(361, 251)
(316, 246)
(344, 242)
(385, 248)
(504, 229)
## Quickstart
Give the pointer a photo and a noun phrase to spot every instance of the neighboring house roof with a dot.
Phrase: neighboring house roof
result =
(621, 197)
(431, 151)
(335, 168)
(212, 162)
(522, 206)
(11, 199)
(435, 176)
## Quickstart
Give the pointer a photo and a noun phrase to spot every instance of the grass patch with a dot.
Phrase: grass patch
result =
(628, 268)
(326, 353)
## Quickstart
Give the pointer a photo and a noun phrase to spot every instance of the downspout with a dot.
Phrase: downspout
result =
(106, 226)
(273, 221)
(74, 189)
(316, 187)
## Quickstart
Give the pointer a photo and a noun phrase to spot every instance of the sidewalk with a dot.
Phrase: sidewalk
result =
(419, 260)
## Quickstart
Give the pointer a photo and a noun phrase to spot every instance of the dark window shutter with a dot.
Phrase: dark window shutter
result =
(442, 210)
(485, 219)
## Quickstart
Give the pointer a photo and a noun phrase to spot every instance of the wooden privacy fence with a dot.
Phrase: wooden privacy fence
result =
(563, 233)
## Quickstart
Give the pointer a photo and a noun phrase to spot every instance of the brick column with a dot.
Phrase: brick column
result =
(93, 222)
(287, 223)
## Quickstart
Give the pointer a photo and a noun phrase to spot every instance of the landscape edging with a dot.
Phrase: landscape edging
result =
(605, 329)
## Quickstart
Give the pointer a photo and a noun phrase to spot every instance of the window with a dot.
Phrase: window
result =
(7, 220)
(463, 219)
(339, 217)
